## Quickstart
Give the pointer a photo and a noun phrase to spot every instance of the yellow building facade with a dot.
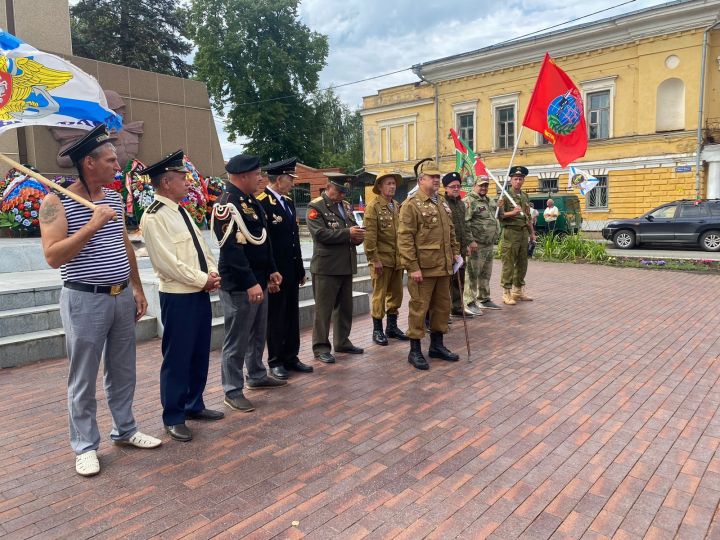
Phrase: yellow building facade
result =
(641, 78)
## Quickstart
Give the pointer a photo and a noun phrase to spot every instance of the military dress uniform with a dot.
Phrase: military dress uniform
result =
(334, 261)
(283, 332)
(242, 265)
(182, 261)
(381, 222)
(515, 240)
(484, 230)
(427, 242)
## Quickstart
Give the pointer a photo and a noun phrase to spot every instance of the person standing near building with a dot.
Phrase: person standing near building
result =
(335, 236)
(428, 249)
(517, 233)
(484, 230)
(453, 182)
(247, 271)
(187, 272)
(381, 224)
(283, 331)
(98, 308)
(551, 214)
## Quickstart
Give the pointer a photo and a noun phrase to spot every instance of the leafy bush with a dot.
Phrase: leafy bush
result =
(569, 248)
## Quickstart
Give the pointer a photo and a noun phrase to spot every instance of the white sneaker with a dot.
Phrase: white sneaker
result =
(140, 440)
(87, 464)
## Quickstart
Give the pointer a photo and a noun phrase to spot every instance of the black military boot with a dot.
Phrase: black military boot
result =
(392, 330)
(378, 336)
(416, 357)
(438, 350)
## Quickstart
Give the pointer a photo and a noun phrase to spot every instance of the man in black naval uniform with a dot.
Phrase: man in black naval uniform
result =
(247, 270)
(283, 333)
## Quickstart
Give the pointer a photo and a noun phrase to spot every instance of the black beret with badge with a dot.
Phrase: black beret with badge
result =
(173, 162)
(518, 170)
(285, 166)
(86, 144)
(340, 180)
(451, 177)
(242, 163)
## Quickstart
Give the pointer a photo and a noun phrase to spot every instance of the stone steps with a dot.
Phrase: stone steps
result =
(30, 325)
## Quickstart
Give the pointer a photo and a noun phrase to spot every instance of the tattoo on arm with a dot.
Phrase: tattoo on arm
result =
(48, 213)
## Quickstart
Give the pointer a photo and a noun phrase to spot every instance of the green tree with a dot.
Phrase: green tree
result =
(260, 63)
(142, 34)
(339, 132)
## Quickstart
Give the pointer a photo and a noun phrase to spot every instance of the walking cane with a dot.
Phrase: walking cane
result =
(467, 338)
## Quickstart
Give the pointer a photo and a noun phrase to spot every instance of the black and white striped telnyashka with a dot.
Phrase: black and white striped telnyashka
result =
(103, 260)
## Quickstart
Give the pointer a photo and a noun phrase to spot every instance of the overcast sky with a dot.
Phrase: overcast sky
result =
(374, 37)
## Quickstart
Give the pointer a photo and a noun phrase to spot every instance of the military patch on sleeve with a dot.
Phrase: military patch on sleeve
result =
(312, 213)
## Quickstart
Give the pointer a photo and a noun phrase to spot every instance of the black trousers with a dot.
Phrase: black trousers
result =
(186, 320)
(283, 330)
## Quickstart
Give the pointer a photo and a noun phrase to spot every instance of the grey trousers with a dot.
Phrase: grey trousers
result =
(245, 329)
(95, 323)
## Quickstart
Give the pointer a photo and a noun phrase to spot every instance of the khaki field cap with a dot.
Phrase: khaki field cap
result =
(430, 169)
(482, 180)
(379, 179)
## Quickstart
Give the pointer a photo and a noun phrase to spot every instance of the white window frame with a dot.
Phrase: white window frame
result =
(605, 208)
(505, 100)
(464, 108)
(405, 122)
(600, 85)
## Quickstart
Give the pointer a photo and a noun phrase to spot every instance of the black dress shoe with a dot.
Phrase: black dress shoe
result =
(298, 366)
(326, 357)
(179, 432)
(279, 372)
(205, 414)
(350, 350)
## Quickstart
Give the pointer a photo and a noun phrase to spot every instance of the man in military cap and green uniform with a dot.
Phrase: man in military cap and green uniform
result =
(381, 225)
(483, 230)
(517, 233)
(428, 248)
(335, 236)
(452, 182)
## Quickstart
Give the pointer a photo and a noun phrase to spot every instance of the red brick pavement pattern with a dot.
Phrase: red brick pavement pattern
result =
(591, 412)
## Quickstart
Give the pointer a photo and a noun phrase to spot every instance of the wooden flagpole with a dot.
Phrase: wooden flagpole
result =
(47, 183)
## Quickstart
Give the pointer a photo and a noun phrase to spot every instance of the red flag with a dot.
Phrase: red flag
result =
(556, 110)
(480, 168)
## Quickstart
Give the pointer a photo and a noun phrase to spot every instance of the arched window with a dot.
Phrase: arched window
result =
(670, 106)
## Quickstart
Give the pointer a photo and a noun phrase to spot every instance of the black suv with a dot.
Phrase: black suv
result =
(686, 222)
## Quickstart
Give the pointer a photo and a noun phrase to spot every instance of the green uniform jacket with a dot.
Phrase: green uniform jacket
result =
(426, 238)
(333, 253)
(519, 221)
(381, 226)
(457, 207)
(480, 219)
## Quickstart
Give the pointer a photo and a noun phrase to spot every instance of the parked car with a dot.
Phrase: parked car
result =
(570, 219)
(686, 222)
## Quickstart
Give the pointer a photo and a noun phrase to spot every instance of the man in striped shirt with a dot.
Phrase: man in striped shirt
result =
(98, 309)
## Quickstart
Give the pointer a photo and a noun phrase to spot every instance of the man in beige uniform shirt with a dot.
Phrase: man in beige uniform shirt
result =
(188, 272)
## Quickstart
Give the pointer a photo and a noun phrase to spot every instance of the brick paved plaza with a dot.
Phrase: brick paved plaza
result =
(591, 412)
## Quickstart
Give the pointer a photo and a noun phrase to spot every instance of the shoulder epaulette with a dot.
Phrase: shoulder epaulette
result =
(287, 198)
(224, 198)
(317, 200)
(262, 196)
(154, 207)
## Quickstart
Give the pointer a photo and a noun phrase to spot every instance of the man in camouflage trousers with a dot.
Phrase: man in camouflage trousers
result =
(484, 230)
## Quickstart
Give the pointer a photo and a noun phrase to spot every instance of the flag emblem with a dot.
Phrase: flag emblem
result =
(564, 114)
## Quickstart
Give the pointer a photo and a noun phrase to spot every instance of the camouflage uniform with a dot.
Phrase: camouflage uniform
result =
(483, 229)
(515, 238)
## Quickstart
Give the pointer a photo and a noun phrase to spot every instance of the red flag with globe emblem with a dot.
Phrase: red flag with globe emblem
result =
(556, 110)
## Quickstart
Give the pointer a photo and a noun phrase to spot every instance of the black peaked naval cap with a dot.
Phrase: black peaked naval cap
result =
(173, 162)
(516, 170)
(285, 166)
(242, 163)
(83, 146)
(451, 177)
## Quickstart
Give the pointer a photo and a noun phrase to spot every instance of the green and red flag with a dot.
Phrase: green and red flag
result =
(556, 110)
(467, 163)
